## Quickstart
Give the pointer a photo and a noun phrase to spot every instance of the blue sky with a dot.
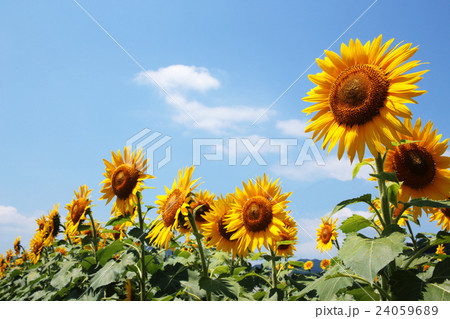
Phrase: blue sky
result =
(69, 95)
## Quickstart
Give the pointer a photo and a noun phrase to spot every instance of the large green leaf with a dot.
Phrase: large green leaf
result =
(425, 202)
(366, 256)
(392, 192)
(354, 224)
(358, 167)
(366, 198)
(66, 275)
(386, 176)
(107, 252)
(224, 286)
(364, 293)
(441, 271)
(119, 220)
(437, 292)
(112, 271)
(406, 286)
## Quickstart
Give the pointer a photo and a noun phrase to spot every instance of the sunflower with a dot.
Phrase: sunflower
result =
(289, 234)
(9, 255)
(442, 216)
(308, 265)
(214, 228)
(17, 246)
(173, 208)
(326, 234)
(52, 224)
(258, 214)
(324, 264)
(440, 250)
(61, 250)
(124, 178)
(206, 200)
(360, 96)
(77, 209)
(420, 165)
(36, 246)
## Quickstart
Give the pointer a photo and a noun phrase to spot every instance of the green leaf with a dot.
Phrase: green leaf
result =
(358, 167)
(224, 286)
(366, 198)
(286, 242)
(391, 177)
(112, 271)
(295, 263)
(137, 234)
(354, 224)
(442, 237)
(107, 252)
(437, 292)
(221, 270)
(441, 271)
(66, 275)
(364, 293)
(119, 220)
(256, 256)
(406, 286)
(392, 191)
(425, 202)
(88, 262)
(367, 256)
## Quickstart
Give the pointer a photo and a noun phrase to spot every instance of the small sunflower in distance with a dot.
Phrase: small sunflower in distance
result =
(326, 234)
(360, 96)
(308, 265)
(421, 166)
(124, 178)
(173, 208)
(36, 246)
(324, 264)
(17, 246)
(214, 229)
(258, 214)
(77, 209)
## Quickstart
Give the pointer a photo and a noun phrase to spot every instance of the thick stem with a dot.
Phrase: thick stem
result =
(142, 244)
(274, 269)
(198, 237)
(412, 235)
(385, 211)
(94, 233)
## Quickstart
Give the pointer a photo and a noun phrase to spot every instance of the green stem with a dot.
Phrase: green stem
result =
(383, 191)
(378, 214)
(417, 254)
(405, 207)
(383, 293)
(336, 244)
(412, 235)
(274, 269)
(142, 244)
(198, 237)
(94, 233)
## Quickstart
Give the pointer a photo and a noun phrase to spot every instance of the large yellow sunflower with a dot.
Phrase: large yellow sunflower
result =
(77, 209)
(258, 214)
(214, 229)
(326, 234)
(36, 246)
(421, 165)
(173, 208)
(124, 178)
(289, 234)
(360, 95)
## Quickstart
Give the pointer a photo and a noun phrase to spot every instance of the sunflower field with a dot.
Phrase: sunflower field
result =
(192, 244)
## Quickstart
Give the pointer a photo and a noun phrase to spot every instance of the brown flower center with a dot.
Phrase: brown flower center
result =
(225, 233)
(326, 234)
(201, 212)
(414, 165)
(446, 212)
(123, 180)
(283, 247)
(78, 209)
(173, 203)
(358, 94)
(257, 213)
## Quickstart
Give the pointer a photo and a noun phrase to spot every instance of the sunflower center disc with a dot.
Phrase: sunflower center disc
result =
(326, 234)
(78, 209)
(358, 94)
(171, 207)
(124, 180)
(201, 212)
(257, 213)
(446, 212)
(225, 233)
(283, 247)
(414, 165)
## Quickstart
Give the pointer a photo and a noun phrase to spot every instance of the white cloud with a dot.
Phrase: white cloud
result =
(179, 77)
(177, 80)
(311, 170)
(13, 224)
(293, 127)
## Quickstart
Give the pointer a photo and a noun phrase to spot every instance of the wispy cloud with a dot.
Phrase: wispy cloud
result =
(179, 80)
(292, 127)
